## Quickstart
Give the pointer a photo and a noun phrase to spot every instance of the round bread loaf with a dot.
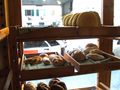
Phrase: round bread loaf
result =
(51, 56)
(29, 86)
(88, 19)
(62, 84)
(53, 81)
(58, 61)
(91, 45)
(46, 61)
(42, 86)
(78, 55)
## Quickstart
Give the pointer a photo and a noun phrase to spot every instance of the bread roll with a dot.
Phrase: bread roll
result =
(53, 81)
(29, 86)
(58, 61)
(95, 56)
(78, 55)
(46, 61)
(42, 86)
(91, 45)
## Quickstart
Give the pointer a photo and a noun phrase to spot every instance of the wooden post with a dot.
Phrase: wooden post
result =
(13, 18)
(106, 44)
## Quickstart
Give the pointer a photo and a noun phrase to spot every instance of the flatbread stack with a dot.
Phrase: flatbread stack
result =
(84, 19)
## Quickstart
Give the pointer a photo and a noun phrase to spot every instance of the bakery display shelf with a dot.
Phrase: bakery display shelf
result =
(91, 66)
(40, 71)
(27, 34)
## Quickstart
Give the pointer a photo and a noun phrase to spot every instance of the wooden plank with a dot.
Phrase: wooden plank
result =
(108, 14)
(27, 34)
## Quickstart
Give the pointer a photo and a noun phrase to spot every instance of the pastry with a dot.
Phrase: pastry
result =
(42, 86)
(46, 61)
(29, 86)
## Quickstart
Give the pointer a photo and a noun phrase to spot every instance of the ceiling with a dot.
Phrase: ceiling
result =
(44, 2)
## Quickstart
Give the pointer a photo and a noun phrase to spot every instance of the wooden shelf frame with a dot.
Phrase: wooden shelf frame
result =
(18, 35)
(13, 12)
(48, 33)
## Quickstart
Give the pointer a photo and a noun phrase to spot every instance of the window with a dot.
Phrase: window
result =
(29, 12)
(37, 12)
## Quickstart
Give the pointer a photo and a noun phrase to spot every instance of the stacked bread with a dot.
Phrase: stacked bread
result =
(54, 84)
(47, 59)
(84, 19)
(91, 51)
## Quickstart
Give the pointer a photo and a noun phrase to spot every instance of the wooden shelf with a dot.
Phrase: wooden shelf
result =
(90, 66)
(50, 33)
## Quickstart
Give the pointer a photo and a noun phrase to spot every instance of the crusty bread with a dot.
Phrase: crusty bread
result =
(29, 86)
(95, 56)
(77, 55)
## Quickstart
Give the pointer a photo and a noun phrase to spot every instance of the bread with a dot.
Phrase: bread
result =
(46, 61)
(33, 60)
(58, 61)
(43, 55)
(89, 47)
(88, 19)
(53, 81)
(51, 56)
(66, 19)
(62, 84)
(56, 84)
(29, 86)
(42, 86)
(78, 55)
(74, 19)
(95, 56)
(56, 87)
